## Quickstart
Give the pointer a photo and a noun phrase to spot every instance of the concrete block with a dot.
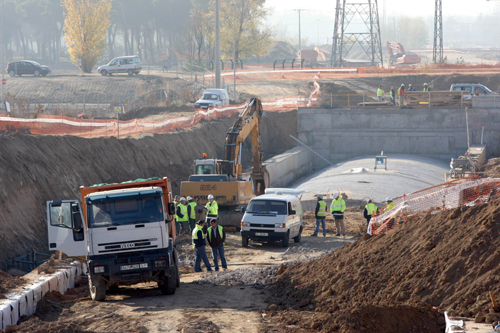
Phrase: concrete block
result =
(390, 145)
(427, 145)
(305, 123)
(322, 121)
(320, 140)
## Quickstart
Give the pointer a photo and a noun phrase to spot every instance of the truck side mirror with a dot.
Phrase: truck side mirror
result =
(292, 212)
(171, 208)
(243, 210)
(77, 222)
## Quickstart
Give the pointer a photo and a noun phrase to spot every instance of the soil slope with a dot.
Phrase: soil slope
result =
(449, 260)
(34, 169)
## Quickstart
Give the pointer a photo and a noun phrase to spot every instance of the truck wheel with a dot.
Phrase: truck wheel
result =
(244, 241)
(285, 240)
(97, 287)
(168, 284)
(297, 238)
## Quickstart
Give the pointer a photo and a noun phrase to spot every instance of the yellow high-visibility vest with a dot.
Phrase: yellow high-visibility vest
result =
(322, 208)
(184, 212)
(213, 208)
(371, 208)
(192, 214)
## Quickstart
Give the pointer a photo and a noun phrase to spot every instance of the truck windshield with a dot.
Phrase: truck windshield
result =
(132, 211)
(204, 169)
(210, 97)
(267, 207)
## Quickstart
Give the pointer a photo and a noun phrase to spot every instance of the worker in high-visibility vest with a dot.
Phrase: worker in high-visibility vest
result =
(370, 210)
(426, 88)
(380, 92)
(337, 208)
(390, 204)
(191, 211)
(392, 95)
(212, 208)
(320, 213)
(199, 244)
(182, 217)
(217, 240)
(401, 94)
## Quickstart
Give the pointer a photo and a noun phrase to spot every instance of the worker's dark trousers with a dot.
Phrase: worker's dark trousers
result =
(192, 224)
(368, 218)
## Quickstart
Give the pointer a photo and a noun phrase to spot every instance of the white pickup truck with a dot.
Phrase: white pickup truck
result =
(211, 98)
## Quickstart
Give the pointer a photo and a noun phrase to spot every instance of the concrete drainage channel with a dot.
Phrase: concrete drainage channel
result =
(23, 303)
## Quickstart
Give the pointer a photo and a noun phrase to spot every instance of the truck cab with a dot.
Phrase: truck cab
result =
(124, 231)
(212, 98)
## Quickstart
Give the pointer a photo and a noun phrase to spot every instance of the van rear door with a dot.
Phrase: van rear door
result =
(66, 228)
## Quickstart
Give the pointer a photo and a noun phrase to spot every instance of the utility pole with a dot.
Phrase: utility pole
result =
(335, 40)
(437, 50)
(300, 43)
(234, 50)
(217, 46)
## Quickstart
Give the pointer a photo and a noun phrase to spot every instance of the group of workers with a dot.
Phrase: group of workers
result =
(337, 209)
(400, 93)
(195, 216)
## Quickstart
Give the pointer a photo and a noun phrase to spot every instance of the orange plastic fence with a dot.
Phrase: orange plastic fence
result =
(467, 191)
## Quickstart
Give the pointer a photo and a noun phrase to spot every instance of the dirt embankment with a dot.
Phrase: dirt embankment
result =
(34, 169)
(449, 260)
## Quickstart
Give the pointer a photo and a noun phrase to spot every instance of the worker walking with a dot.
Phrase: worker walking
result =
(320, 212)
(199, 247)
(370, 209)
(390, 204)
(182, 217)
(401, 94)
(380, 92)
(426, 88)
(200, 210)
(191, 211)
(217, 240)
(337, 208)
(212, 208)
(392, 95)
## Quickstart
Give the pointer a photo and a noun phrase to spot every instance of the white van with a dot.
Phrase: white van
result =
(276, 215)
(211, 98)
(128, 64)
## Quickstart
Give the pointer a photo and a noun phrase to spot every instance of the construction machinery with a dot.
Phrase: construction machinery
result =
(224, 179)
(398, 55)
(468, 164)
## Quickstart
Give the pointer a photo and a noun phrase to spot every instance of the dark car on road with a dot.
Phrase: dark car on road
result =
(27, 67)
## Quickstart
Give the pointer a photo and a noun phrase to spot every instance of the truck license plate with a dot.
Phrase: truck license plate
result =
(261, 234)
(135, 266)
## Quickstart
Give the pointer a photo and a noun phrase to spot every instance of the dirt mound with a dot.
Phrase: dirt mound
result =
(449, 260)
(280, 51)
(492, 168)
(144, 112)
(8, 282)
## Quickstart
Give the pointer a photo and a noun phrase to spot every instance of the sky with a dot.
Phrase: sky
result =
(320, 14)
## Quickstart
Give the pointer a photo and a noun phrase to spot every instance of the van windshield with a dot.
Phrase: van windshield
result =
(274, 207)
(120, 212)
(210, 97)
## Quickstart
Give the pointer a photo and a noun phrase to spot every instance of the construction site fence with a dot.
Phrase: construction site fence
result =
(467, 191)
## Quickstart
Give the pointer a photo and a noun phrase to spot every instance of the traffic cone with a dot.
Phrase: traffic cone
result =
(282, 75)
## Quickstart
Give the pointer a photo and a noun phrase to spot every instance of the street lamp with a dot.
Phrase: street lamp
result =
(234, 50)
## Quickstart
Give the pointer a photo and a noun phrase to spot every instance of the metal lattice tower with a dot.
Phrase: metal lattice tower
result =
(370, 40)
(437, 50)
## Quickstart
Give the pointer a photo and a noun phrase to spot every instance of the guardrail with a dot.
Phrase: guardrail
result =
(30, 261)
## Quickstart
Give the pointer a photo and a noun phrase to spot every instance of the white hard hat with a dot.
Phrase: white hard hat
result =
(335, 195)
(388, 199)
(183, 199)
(210, 196)
(410, 85)
(320, 196)
(425, 84)
(190, 198)
(402, 85)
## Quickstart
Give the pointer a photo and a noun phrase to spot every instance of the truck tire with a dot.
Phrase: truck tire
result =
(97, 287)
(176, 261)
(244, 241)
(168, 284)
(297, 238)
(285, 240)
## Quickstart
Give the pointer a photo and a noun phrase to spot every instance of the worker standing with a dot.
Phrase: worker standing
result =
(426, 88)
(392, 95)
(320, 212)
(337, 208)
(401, 94)
(217, 240)
(191, 211)
(212, 208)
(411, 88)
(182, 216)
(200, 210)
(176, 203)
(390, 204)
(380, 92)
(370, 209)
(199, 244)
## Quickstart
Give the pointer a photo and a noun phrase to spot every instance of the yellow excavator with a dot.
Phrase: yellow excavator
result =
(224, 179)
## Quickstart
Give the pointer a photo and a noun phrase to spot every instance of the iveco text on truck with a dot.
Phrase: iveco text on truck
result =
(125, 231)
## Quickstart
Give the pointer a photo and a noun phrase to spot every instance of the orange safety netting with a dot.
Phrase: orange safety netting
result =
(468, 191)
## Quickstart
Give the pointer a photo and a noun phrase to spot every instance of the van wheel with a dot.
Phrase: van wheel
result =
(130, 72)
(104, 72)
(97, 287)
(285, 240)
(297, 238)
(244, 241)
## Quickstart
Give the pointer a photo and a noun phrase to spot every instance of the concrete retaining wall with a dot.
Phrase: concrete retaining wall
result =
(287, 168)
(341, 134)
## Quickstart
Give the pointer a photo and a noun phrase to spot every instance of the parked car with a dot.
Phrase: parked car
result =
(211, 98)
(27, 67)
(128, 64)
(474, 88)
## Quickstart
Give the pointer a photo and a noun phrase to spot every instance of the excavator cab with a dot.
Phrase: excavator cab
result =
(205, 167)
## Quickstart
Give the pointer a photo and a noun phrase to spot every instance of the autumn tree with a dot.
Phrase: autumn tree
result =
(86, 23)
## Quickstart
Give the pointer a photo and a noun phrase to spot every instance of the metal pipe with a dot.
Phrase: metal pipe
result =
(302, 143)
